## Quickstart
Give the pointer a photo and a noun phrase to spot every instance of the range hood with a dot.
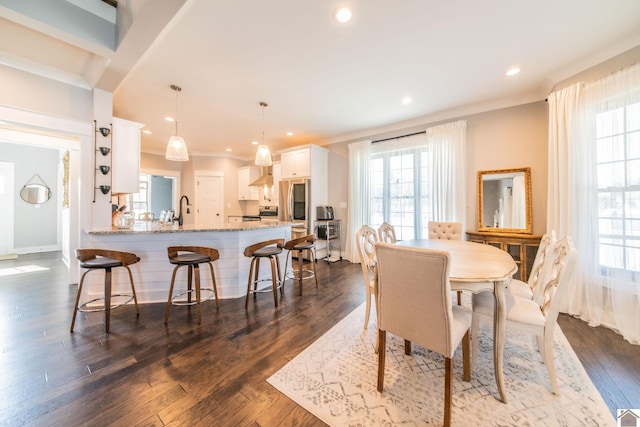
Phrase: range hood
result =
(265, 179)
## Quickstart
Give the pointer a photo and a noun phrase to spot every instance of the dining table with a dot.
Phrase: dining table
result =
(477, 267)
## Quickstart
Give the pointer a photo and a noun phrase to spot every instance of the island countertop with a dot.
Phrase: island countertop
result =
(144, 227)
(152, 275)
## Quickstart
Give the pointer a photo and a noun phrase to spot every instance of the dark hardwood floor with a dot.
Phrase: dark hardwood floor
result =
(146, 373)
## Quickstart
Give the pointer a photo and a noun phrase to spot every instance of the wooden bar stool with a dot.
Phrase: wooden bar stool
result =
(269, 249)
(300, 245)
(191, 257)
(93, 259)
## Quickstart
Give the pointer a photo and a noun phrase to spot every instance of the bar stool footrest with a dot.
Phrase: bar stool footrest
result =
(176, 301)
(84, 307)
(266, 288)
(293, 274)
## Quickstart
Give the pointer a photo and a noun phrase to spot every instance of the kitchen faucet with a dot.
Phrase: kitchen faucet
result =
(180, 219)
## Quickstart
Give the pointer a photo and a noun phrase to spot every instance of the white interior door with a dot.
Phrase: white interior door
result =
(7, 170)
(209, 199)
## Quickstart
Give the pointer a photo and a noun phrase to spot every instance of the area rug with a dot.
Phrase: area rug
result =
(335, 379)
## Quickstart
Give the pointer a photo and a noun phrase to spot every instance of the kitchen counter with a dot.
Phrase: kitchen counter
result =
(152, 275)
(145, 227)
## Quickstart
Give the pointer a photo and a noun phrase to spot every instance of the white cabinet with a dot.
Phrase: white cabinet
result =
(246, 176)
(296, 163)
(125, 157)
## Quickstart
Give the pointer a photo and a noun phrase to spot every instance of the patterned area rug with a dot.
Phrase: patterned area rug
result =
(335, 380)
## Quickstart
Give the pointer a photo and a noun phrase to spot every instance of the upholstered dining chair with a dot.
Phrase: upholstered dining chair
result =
(525, 315)
(540, 268)
(414, 302)
(387, 233)
(445, 230)
(366, 238)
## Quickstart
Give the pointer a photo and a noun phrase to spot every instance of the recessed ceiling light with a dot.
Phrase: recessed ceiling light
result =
(512, 72)
(255, 142)
(170, 119)
(148, 132)
(228, 149)
(407, 100)
(289, 133)
(343, 15)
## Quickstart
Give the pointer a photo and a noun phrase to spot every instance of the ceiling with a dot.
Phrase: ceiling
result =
(324, 81)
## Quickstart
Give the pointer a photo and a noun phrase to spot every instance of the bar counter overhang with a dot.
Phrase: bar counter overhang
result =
(152, 275)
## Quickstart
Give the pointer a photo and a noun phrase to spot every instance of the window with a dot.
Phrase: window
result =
(400, 192)
(156, 195)
(618, 179)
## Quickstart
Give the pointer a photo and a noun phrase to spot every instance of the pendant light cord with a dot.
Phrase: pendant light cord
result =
(176, 89)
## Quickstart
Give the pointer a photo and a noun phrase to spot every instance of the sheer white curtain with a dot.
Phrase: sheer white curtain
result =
(358, 211)
(594, 196)
(442, 145)
(447, 143)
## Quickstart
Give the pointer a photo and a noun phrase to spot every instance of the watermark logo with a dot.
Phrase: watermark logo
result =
(628, 417)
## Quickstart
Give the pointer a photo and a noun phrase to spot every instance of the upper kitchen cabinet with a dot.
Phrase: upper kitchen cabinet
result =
(298, 162)
(125, 157)
(246, 175)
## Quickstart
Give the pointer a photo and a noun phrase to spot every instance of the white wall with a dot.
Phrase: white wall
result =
(35, 226)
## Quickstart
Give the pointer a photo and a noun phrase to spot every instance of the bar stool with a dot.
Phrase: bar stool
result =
(191, 257)
(93, 259)
(300, 245)
(269, 249)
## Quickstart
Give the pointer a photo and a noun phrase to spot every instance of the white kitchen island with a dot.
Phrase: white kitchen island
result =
(152, 275)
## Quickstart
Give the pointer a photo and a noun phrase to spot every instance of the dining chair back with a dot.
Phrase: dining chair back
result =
(445, 230)
(526, 315)
(414, 302)
(387, 233)
(538, 270)
(366, 238)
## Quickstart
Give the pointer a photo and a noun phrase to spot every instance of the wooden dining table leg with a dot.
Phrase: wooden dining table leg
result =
(499, 322)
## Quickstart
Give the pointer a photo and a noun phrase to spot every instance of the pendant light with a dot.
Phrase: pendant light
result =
(263, 155)
(176, 148)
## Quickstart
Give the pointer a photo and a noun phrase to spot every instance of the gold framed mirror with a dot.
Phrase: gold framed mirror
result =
(504, 200)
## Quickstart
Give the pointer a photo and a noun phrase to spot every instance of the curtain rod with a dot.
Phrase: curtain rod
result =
(398, 137)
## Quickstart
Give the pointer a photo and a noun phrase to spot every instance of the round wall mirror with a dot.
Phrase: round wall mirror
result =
(35, 193)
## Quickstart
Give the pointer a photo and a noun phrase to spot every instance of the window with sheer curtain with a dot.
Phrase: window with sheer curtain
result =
(399, 192)
(618, 176)
(408, 182)
(594, 195)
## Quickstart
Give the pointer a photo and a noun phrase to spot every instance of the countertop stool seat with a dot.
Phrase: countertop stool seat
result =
(269, 249)
(299, 246)
(191, 257)
(104, 259)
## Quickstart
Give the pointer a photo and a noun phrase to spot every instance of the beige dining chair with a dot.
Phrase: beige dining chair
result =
(387, 233)
(414, 303)
(446, 231)
(366, 238)
(540, 268)
(525, 315)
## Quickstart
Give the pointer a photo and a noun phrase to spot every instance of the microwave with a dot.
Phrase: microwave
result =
(324, 213)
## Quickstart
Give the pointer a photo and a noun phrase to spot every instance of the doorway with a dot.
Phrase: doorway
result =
(209, 198)
(7, 178)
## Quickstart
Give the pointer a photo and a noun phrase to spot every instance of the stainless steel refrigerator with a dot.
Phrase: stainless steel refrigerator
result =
(295, 206)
